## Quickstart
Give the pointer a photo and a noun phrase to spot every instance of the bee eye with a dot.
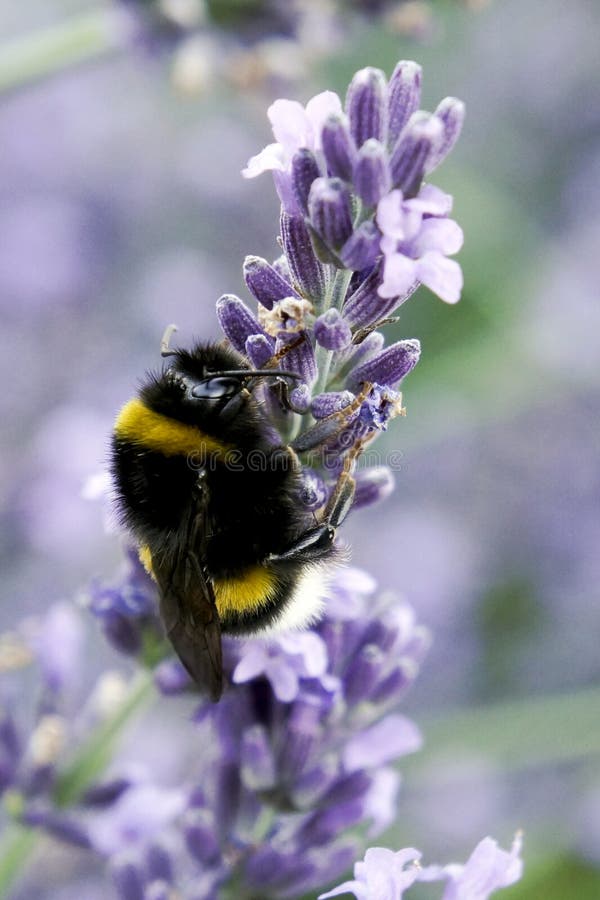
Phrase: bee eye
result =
(215, 388)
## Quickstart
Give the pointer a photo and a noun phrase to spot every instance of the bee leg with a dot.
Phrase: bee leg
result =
(327, 429)
(315, 543)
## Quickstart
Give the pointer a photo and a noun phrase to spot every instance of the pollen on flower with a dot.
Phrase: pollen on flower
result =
(290, 314)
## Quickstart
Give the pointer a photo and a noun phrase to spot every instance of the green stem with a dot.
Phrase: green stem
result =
(19, 843)
(52, 50)
(335, 301)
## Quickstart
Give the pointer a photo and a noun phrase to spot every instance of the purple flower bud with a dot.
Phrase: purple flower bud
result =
(271, 871)
(237, 321)
(10, 744)
(264, 282)
(257, 766)
(313, 492)
(306, 269)
(300, 398)
(282, 268)
(301, 357)
(125, 634)
(365, 306)
(339, 148)
(366, 105)
(392, 686)
(325, 824)
(451, 112)
(259, 349)
(353, 355)
(106, 792)
(200, 839)
(387, 367)
(362, 247)
(170, 677)
(330, 211)
(324, 405)
(305, 170)
(372, 486)
(159, 863)
(332, 331)
(128, 878)
(371, 174)
(301, 737)
(363, 674)
(57, 824)
(412, 151)
(404, 96)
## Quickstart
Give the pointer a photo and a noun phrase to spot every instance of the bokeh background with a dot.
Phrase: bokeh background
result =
(122, 209)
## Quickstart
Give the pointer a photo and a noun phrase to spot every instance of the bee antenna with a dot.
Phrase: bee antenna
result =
(165, 350)
(255, 373)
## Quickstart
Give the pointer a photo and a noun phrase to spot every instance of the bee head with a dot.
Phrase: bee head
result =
(208, 383)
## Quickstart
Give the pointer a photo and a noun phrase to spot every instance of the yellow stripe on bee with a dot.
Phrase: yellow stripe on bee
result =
(249, 592)
(145, 558)
(141, 425)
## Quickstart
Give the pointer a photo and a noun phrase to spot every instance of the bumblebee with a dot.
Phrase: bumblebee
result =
(212, 499)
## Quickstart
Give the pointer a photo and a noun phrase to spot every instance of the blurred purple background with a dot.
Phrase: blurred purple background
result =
(123, 210)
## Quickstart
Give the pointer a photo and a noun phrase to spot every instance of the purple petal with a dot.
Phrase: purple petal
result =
(441, 235)
(272, 157)
(318, 110)
(291, 126)
(388, 739)
(252, 664)
(441, 275)
(284, 680)
(399, 276)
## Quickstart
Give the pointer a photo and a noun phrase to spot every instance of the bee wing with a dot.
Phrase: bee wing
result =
(189, 611)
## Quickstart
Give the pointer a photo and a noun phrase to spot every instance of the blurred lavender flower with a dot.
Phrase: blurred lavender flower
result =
(298, 751)
(246, 44)
(384, 875)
